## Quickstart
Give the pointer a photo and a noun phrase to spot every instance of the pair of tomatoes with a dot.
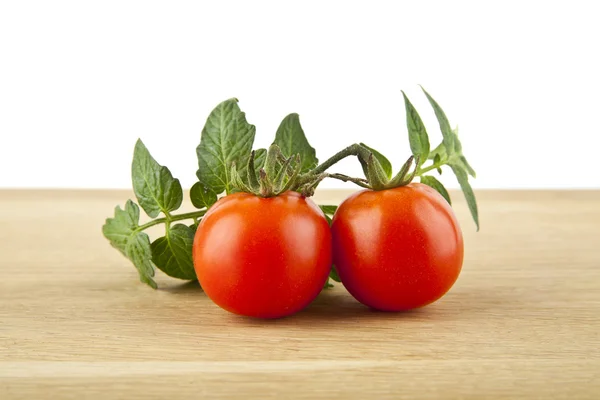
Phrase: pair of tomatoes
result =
(394, 250)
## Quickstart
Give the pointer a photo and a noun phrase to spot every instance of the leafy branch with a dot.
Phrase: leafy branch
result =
(227, 163)
(225, 155)
(449, 153)
(378, 169)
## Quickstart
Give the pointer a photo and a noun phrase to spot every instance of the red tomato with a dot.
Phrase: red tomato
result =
(263, 257)
(397, 249)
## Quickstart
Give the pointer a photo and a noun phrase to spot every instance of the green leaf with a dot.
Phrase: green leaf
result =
(291, 140)
(448, 135)
(153, 184)
(463, 180)
(439, 153)
(467, 167)
(327, 284)
(334, 275)
(436, 160)
(172, 253)
(201, 196)
(417, 134)
(328, 209)
(226, 138)
(459, 157)
(385, 163)
(139, 252)
(119, 228)
(121, 231)
(437, 185)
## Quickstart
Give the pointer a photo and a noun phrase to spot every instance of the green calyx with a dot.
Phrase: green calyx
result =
(277, 175)
(379, 179)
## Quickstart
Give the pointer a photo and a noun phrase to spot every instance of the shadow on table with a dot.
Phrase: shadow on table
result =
(187, 288)
(337, 304)
(331, 306)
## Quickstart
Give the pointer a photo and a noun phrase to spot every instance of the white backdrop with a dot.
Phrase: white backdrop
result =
(81, 80)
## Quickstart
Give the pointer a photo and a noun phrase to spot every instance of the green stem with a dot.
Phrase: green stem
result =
(178, 217)
(352, 150)
(345, 178)
(317, 174)
(421, 171)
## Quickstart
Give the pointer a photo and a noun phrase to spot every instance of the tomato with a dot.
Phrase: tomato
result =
(263, 257)
(397, 249)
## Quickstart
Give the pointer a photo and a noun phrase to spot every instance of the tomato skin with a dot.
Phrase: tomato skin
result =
(397, 249)
(263, 257)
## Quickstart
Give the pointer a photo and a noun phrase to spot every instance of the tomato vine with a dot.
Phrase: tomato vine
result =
(227, 163)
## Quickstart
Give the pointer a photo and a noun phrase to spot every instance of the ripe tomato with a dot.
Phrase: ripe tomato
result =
(263, 257)
(397, 249)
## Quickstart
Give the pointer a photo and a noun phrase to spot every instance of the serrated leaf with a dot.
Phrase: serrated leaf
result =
(119, 228)
(153, 184)
(140, 253)
(463, 181)
(201, 196)
(122, 235)
(447, 134)
(226, 138)
(417, 134)
(291, 140)
(385, 163)
(172, 253)
(437, 185)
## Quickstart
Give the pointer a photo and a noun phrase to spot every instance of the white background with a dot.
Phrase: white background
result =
(80, 81)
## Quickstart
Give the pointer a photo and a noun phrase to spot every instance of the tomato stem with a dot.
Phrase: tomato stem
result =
(352, 150)
(178, 217)
(436, 165)
(422, 171)
(345, 178)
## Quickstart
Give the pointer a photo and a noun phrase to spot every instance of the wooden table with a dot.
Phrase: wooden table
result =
(523, 320)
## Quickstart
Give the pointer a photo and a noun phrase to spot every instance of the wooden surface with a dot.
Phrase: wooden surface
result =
(522, 321)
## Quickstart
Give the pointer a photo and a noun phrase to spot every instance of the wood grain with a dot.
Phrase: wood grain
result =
(521, 322)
